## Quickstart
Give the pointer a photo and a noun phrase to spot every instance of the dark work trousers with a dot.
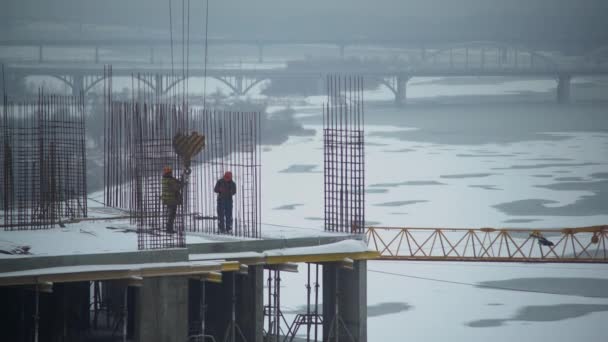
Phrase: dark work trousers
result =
(171, 212)
(224, 213)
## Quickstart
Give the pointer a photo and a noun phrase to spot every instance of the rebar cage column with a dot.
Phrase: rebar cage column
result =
(344, 155)
(42, 158)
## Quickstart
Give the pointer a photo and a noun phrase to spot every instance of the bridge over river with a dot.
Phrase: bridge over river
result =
(471, 59)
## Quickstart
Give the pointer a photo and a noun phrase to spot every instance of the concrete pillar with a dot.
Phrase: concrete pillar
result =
(250, 303)
(77, 84)
(503, 55)
(563, 88)
(158, 85)
(321, 86)
(64, 316)
(162, 310)
(401, 95)
(238, 85)
(349, 287)
(451, 58)
(249, 295)
(260, 53)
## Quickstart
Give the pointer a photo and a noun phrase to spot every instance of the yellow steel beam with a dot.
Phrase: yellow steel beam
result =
(565, 245)
(65, 277)
(327, 257)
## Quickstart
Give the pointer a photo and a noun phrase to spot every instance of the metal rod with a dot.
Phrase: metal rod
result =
(36, 314)
(203, 308)
(125, 314)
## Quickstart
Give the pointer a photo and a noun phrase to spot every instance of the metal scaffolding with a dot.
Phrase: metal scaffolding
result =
(344, 155)
(312, 319)
(43, 173)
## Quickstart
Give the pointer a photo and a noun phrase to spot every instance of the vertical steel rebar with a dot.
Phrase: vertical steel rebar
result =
(343, 146)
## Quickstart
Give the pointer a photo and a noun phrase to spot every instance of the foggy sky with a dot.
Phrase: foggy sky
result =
(560, 20)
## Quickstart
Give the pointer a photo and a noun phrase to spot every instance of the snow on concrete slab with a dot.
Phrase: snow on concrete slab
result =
(103, 268)
(226, 256)
(85, 237)
(346, 246)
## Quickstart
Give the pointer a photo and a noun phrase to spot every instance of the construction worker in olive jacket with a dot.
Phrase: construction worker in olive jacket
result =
(225, 189)
(171, 196)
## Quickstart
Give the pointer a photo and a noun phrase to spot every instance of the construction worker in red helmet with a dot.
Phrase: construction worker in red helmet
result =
(171, 196)
(225, 189)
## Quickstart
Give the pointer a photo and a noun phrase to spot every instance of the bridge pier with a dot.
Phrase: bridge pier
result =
(40, 55)
(321, 86)
(260, 53)
(342, 48)
(503, 55)
(238, 85)
(563, 89)
(401, 91)
(158, 85)
(77, 85)
(96, 54)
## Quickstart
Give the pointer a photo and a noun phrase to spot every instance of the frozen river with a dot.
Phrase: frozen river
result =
(456, 158)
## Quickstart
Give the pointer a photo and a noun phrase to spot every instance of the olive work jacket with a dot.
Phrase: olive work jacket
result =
(171, 191)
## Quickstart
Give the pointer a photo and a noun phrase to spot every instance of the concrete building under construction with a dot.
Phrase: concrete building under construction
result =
(102, 267)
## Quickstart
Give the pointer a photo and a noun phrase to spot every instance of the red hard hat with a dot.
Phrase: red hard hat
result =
(228, 175)
(167, 170)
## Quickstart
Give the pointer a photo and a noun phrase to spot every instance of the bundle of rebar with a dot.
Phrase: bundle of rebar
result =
(344, 155)
(43, 165)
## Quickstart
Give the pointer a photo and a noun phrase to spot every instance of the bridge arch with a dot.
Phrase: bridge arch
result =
(235, 88)
(254, 83)
(390, 84)
(505, 55)
(63, 79)
(95, 82)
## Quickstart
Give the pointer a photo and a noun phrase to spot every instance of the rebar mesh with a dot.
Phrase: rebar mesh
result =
(139, 143)
(344, 155)
(233, 144)
(43, 161)
(155, 127)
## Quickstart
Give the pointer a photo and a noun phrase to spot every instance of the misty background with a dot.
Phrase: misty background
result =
(464, 151)
(565, 24)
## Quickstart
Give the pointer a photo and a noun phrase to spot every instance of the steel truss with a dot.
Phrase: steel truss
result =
(576, 245)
